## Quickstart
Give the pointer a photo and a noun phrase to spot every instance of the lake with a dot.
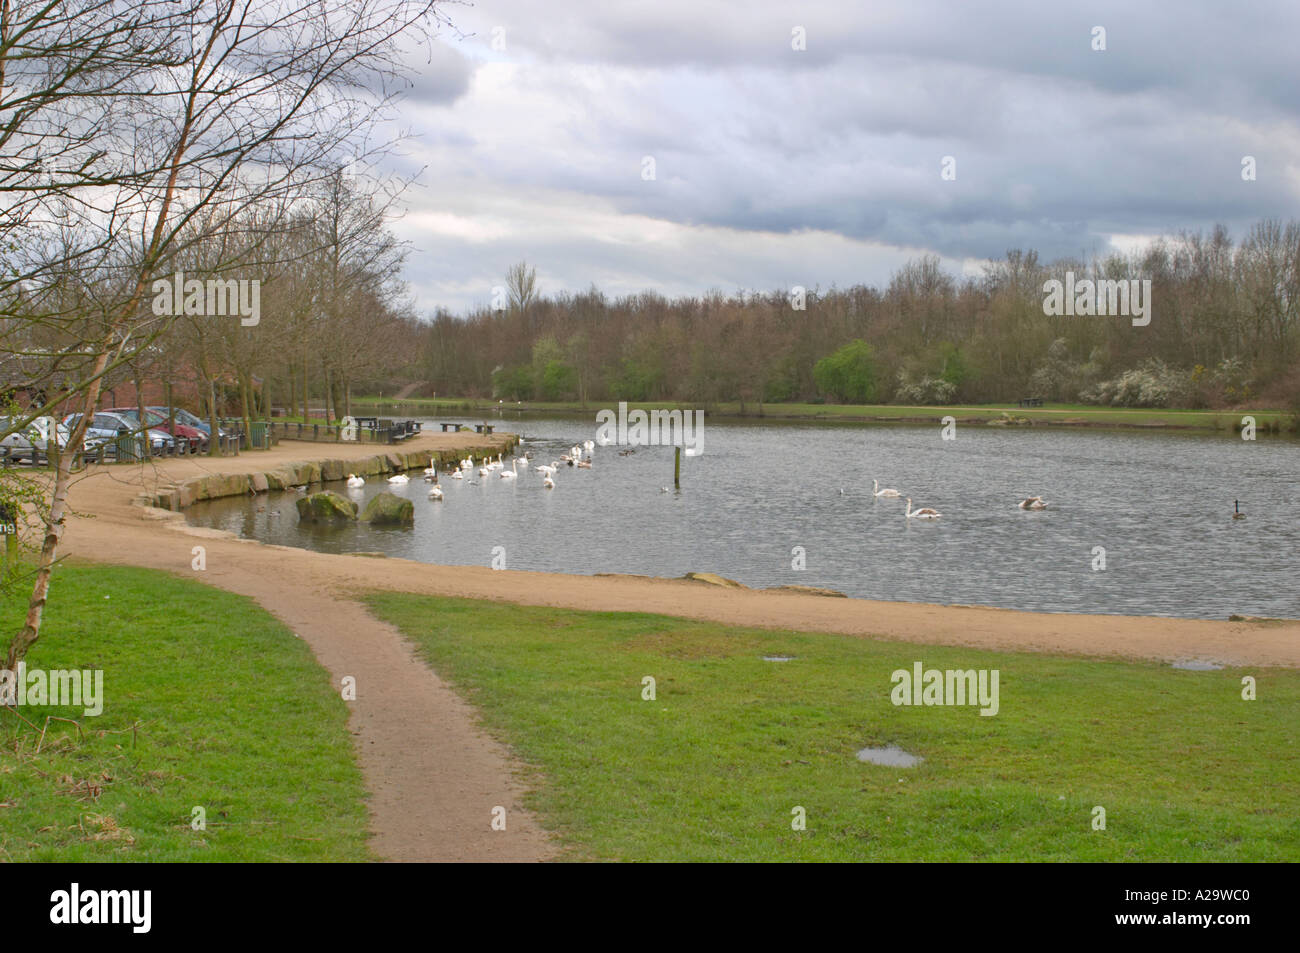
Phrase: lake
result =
(765, 497)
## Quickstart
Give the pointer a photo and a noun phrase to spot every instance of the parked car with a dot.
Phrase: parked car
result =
(197, 439)
(107, 425)
(32, 440)
(190, 420)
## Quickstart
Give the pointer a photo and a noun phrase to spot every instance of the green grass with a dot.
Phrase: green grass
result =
(1057, 414)
(233, 714)
(711, 770)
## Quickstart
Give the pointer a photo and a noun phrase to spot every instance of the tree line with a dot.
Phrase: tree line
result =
(1225, 331)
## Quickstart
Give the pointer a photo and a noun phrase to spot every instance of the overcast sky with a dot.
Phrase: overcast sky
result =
(776, 167)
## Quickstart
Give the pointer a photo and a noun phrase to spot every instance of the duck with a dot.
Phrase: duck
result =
(1033, 503)
(399, 480)
(435, 493)
(922, 514)
(355, 482)
(584, 464)
(877, 491)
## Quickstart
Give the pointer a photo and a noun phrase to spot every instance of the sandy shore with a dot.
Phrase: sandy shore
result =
(121, 532)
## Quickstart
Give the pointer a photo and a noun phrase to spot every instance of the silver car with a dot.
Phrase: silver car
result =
(31, 440)
(106, 426)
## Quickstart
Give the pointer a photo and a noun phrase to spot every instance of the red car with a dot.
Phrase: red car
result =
(197, 439)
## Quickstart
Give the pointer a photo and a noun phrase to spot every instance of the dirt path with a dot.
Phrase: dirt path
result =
(432, 771)
(434, 775)
(408, 389)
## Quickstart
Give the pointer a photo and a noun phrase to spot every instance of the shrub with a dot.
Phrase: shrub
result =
(848, 375)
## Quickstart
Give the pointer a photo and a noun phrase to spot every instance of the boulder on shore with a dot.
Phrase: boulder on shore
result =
(388, 509)
(713, 579)
(326, 507)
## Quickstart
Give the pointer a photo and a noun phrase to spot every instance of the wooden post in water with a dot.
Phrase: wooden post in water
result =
(677, 468)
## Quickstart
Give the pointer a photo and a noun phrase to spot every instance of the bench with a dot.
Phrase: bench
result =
(446, 427)
(1031, 402)
(485, 429)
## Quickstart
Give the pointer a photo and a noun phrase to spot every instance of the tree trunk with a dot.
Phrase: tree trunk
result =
(214, 444)
(147, 450)
(244, 391)
(31, 629)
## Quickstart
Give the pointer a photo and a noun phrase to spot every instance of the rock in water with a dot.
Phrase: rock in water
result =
(326, 507)
(387, 508)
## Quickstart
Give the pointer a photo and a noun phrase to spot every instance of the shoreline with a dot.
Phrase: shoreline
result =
(127, 530)
(1270, 422)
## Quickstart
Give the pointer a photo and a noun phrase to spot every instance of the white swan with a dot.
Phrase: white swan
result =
(355, 482)
(921, 514)
(435, 493)
(457, 475)
(486, 468)
(877, 491)
(431, 470)
(399, 479)
(511, 473)
(548, 482)
(1033, 503)
(589, 445)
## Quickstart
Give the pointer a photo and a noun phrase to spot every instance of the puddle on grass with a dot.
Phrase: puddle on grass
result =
(892, 756)
(778, 658)
(1197, 665)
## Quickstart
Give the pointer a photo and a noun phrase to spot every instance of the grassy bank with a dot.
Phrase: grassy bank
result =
(1063, 415)
(208, 702)
(713, 767)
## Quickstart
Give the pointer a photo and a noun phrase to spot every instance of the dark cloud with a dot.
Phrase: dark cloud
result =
(774, 154)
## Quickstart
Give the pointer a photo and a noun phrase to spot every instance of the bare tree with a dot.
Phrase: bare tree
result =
(204, 109)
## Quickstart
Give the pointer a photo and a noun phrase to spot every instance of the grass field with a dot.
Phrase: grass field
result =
(712, 769)
(1056, 414)
(230, 712)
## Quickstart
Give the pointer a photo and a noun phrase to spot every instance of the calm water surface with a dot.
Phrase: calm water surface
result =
(1159, 504)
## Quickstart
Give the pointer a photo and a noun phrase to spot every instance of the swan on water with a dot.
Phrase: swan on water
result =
(511, 473)
(435, 493)
(877, 491)
(548, 482)
(1033, 503)
(399, 479)
(922, 514)
(355, 482)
